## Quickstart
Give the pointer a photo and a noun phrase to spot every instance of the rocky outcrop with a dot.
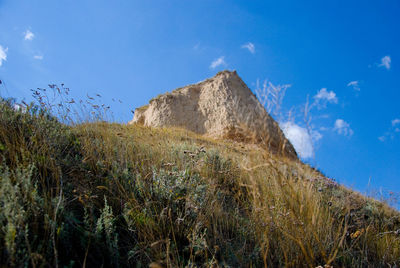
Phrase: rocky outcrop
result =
(221, 107)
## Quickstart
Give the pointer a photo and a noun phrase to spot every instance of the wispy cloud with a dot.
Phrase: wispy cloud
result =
(392, 131)
(382, 138)
(325, 95)
(196, 47)
(300, 138)
(385, 62)
(343, 128)
(355, 85)
(218, 62)
(395, 122)
(28, 35)
(19, 107)
(38, 57)
(250, 46)
(3, 54)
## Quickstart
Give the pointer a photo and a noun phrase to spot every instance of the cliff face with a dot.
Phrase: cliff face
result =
(219, 107)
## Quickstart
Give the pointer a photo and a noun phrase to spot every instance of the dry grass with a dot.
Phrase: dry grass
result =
(102, 194)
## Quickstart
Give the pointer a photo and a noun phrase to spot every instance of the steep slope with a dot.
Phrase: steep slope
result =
(112, 195)
(219, 107)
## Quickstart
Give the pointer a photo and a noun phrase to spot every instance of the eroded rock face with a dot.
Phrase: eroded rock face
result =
(219, 107)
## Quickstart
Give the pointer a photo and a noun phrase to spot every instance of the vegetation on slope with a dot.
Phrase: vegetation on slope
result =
(101, 194)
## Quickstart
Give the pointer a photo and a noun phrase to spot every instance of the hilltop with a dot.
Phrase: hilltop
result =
(221, 107)
(107, 195)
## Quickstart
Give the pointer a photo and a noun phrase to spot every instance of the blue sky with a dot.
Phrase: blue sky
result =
(344, 55)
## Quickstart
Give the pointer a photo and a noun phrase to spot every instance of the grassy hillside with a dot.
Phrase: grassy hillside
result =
(101, 194)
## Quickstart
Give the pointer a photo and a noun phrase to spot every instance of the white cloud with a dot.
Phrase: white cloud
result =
(343, 128)
(250, 46)
(325, 95)
(19, 107)
(218, 62)
(391, 133)
(324, 128)
(354, 84)
(300, 138)
(395, 122)
(38, 57)
(28, 35)
(316, 136)
(385, 62)
(3, 54)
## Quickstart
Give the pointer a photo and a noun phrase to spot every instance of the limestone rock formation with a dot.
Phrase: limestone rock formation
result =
(220, 107)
